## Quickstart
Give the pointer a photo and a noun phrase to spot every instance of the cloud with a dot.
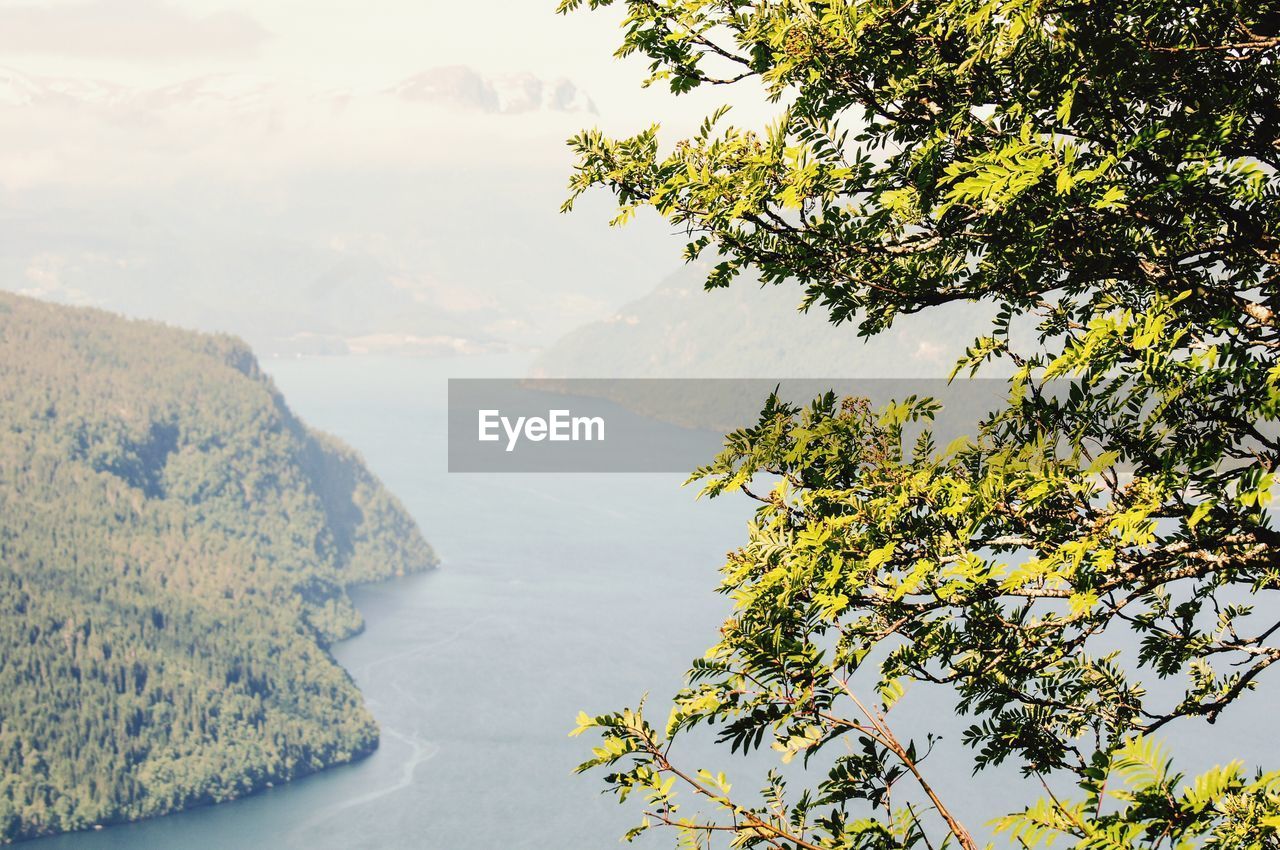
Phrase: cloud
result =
(126, 29)
(19, 89)
(929, 352)
(86, 131)
(508, 94)
(44, 276)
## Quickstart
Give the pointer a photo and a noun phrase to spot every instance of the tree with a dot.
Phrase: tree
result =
(1105, 174)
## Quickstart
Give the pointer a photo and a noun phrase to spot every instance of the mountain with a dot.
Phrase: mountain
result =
(681, 330)
(451, 85)
(175, 549)
(506, 94)
(389, 215)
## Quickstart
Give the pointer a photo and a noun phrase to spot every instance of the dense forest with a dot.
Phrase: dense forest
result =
(175, 548)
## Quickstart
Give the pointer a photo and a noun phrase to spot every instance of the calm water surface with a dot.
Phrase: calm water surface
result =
(557, 593)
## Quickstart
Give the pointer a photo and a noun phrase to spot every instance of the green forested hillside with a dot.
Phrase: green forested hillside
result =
(174, 551)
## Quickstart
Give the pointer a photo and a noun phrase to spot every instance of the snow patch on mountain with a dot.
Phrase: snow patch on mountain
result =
(503, 94)
(458, 86)
(18, 89)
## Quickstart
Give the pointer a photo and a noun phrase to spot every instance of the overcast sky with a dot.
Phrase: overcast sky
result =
(301, 63)
(332, 42)
(341, 167)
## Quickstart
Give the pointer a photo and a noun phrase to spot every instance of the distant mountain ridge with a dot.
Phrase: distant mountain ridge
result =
(505, 94)
(175, 549)
(681, 330)
(453, 85)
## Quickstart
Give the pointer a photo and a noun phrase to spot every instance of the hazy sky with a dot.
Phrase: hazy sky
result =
(332, 42)
(302, 62)
(334, 167)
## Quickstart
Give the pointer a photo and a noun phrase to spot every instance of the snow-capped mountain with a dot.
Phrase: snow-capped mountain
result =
(505, 94)
(21, 89)
(457, 86)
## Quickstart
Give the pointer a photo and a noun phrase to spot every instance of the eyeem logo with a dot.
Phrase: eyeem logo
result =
(558, 426)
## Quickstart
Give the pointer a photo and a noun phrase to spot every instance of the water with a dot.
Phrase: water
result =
(557, 594)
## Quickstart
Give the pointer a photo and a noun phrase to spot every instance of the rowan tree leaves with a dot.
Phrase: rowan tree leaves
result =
(1105, 174)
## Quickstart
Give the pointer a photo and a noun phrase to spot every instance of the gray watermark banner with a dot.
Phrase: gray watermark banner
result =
(654, 424)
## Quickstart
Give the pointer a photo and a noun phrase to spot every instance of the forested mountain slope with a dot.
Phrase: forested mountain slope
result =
(174, 551)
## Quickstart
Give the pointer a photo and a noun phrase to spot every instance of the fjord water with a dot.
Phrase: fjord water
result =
(557, 593)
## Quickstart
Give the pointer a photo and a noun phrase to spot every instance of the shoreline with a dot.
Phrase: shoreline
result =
(268, 784)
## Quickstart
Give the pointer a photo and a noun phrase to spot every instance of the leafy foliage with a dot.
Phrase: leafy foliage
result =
(1104, 173)
(174, 552)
